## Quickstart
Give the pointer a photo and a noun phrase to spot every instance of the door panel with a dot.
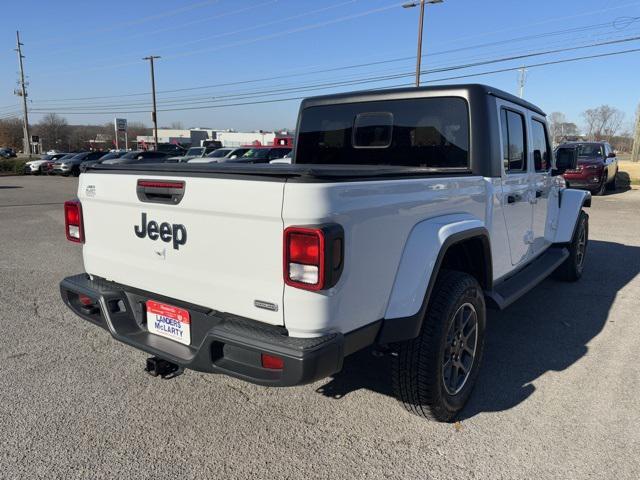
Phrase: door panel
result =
(541, 179)
(518, 212)
(517, 203)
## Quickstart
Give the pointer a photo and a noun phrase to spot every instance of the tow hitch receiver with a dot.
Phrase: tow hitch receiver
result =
(163, 368)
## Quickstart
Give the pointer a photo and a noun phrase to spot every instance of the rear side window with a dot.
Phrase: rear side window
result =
(513, 141)
(425, 132)
(540, 146)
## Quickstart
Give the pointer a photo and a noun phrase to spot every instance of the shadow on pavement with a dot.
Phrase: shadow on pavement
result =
(5, 187)
(546, 330)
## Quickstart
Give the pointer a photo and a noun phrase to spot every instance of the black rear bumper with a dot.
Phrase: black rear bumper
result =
(220, 342)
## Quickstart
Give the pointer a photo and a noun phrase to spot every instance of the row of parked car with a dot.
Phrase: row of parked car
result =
(72, 164)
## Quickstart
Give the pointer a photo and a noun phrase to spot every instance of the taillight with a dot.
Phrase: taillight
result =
(73, 221)
(313, 256)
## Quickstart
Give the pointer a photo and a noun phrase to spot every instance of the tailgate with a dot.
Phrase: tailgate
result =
(220, 247)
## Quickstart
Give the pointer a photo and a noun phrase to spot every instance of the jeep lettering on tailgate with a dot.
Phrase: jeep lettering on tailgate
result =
(165, 231)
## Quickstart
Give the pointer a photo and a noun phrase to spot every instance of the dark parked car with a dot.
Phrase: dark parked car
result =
(261, 155)
(7, 152)
(171, 149)
(138, 156)
(71, 166)
(108, 156)
(597, 167)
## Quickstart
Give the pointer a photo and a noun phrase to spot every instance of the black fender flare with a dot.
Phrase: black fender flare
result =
(406, 328)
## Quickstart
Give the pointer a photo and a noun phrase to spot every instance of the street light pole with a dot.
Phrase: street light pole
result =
(422, 4)
(154, 115)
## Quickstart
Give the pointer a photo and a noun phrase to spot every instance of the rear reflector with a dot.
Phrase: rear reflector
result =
(73, 224)
(84, 300)
(271, 362)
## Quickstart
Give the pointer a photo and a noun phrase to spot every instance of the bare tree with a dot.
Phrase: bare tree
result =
(53, 130)
(11, 133)
(556, 119)
(560, 128)
(177, 126)
(603, 122)
(635, 154)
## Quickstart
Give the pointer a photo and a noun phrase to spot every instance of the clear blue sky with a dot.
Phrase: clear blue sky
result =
(78, 49)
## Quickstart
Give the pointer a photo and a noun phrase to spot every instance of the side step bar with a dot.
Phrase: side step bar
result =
(511, 289)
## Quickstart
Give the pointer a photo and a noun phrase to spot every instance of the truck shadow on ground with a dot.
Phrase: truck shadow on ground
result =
(546, 330)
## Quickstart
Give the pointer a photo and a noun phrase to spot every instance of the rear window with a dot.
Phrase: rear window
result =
(425, 132)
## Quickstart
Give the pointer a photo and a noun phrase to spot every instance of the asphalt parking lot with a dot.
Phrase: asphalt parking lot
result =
(558, 396)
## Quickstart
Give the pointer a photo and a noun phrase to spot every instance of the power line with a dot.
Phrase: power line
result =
(256, 102)
(552, 20)
(258, 93)
(312, 72)
(374, 79)
(156, 16)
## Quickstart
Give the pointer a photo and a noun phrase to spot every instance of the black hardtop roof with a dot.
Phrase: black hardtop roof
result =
(471, 89)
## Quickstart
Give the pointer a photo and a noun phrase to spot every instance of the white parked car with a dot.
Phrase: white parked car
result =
(221, 155)
(42, 165)
(406, 214)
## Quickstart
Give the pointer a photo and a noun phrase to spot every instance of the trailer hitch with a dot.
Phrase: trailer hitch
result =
(163, 368)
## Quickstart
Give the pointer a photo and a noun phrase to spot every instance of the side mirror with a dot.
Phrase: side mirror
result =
(611, 155)
(566, 158)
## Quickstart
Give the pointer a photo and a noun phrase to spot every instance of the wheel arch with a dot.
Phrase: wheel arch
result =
(571, 203)
(454, 241)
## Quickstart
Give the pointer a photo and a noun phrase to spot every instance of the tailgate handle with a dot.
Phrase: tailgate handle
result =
(160, 191)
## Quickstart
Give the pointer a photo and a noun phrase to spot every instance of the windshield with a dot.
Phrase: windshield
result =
(133, 154)
(257, 153)
(111, 155)
(219, 153)
(195, 151)
(589, 150)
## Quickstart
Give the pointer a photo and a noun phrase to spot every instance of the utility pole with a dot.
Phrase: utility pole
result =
(522, 78)
(635, 154)
(22, 92)
(422, 4)
(154, 115)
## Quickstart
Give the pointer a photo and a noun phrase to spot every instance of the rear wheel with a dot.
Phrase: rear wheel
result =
(434, 374)
(572, 268)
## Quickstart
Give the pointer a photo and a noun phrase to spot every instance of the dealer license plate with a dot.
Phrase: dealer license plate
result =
(169, 321)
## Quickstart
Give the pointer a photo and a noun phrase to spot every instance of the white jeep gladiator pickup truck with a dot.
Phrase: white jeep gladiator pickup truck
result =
(403, 216)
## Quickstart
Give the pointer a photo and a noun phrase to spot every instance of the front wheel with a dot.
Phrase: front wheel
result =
(434, 374)
(572, 268)
(603, 185)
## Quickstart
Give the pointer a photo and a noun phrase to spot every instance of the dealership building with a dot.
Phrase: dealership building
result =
(195, 137)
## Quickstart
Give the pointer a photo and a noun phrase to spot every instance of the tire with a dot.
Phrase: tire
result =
(572, 268)
(422, 382)
(611, 186)
(603, 186)
(75, 172)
